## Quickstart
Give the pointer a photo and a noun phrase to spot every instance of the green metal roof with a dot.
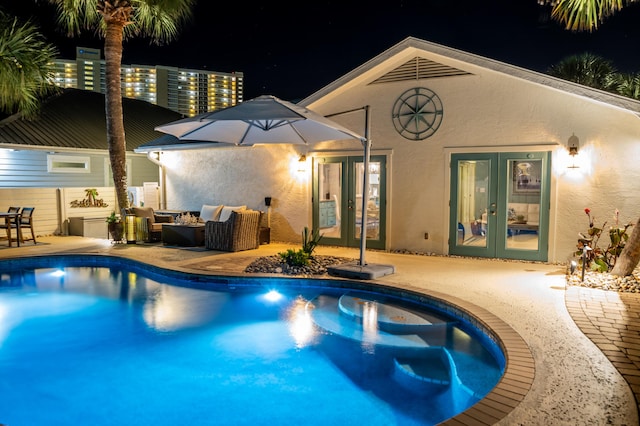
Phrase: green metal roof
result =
(75, 119)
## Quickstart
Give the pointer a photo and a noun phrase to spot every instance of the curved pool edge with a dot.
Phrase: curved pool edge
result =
(510, 391)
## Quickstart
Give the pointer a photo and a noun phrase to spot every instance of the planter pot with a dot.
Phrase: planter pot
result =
(116, 230)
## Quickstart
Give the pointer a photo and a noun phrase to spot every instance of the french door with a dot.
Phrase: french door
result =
(337, 200)
(500, 205)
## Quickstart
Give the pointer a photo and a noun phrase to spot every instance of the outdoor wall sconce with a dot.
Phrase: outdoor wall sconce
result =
(302, 163)
(130, 228)
(573, 145)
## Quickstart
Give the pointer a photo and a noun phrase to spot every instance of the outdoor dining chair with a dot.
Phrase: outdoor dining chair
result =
(9, 224)
(26, 222)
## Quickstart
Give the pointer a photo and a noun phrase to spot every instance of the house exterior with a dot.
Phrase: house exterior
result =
(50, 161)
(470, 156)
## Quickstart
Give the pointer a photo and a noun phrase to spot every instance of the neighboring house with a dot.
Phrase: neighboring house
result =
(65, 149)
(470, 157)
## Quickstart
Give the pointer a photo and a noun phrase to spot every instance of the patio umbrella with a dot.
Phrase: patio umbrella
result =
(269, 120)
(262, 120)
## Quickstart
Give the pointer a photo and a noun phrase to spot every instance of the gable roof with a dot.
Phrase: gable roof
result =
(419, 68)
(75, 119)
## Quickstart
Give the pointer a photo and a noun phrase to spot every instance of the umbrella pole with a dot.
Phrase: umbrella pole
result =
(366, 142)
(361, 270)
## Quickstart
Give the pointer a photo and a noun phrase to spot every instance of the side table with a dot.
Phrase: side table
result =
(265, 235)
(182, 235)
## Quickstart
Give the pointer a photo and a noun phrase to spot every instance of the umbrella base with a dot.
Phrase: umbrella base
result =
(366, 272)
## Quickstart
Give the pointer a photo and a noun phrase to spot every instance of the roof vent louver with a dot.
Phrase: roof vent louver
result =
(418, 69)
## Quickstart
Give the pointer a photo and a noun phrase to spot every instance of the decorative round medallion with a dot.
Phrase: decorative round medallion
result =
(417, 113)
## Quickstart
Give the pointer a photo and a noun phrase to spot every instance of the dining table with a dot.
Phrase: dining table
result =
(15, 217)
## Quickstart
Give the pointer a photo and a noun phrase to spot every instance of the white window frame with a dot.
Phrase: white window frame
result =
(54, 162)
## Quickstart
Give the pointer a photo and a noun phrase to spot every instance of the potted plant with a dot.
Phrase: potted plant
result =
(116, 227)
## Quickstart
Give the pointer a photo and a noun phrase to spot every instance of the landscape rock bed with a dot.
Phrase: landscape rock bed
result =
(274, 265)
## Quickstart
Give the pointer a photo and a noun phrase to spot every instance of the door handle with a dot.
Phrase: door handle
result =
(492, 209)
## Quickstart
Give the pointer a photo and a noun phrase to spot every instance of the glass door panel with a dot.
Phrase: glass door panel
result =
(330, 191)
(473, 212)
(373, 206)
(523, 204)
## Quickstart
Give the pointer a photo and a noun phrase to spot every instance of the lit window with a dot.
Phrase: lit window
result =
(68, 164)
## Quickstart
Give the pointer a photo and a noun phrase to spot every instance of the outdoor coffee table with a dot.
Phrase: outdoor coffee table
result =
(183, 235)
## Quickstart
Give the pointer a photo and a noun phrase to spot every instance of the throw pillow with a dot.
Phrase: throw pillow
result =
(225, 214)
(208, 213)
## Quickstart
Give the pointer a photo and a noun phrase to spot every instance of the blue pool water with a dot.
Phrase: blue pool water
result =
(117, 344)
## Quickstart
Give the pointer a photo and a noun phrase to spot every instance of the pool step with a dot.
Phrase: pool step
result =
(389, 318)
(326, 315)
(431, 372)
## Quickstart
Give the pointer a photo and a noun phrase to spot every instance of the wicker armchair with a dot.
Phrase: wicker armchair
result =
(240, 232)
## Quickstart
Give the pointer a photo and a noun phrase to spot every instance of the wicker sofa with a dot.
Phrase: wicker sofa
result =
(240, 232)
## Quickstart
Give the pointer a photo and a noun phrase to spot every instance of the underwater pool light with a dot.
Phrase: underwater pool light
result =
(58, 273)
(273, 296)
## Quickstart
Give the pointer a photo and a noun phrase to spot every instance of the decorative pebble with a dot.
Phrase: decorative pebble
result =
(275, 265)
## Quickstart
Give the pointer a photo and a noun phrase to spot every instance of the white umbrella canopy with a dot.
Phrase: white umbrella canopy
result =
(262, 120)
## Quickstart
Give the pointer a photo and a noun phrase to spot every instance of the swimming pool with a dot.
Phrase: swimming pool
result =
(99, 340)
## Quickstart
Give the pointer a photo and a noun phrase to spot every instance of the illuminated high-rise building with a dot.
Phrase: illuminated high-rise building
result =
(189, 92)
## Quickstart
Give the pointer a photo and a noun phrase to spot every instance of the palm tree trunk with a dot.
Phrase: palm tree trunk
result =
(113, 108)
(630, 255)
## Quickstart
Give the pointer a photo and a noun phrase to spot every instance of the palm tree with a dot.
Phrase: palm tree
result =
(629, 85)
(587, 69)
(25, 67)
(116, 20)
(584, 15)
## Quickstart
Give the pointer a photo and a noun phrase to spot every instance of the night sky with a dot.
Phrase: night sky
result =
(292, 49)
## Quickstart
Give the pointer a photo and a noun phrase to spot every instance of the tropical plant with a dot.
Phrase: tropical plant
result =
(302, 257)
(295, 257)
(310, 240)
(112, 218)
(591, 254)
(117, 20)
(587, 69)
(628, 85)
(26, 74)
(583, 15)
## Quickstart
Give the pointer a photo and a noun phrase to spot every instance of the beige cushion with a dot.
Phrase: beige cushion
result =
(209, 212)
(225, 214)
(144, 212)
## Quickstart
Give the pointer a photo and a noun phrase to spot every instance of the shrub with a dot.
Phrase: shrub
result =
(295, 257)
(596, 258)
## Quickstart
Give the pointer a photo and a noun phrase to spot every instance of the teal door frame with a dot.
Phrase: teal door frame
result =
(493, 189)
(348, 201)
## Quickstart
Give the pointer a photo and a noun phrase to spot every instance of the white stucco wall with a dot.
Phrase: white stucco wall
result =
(236, 176)
(487, 111)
